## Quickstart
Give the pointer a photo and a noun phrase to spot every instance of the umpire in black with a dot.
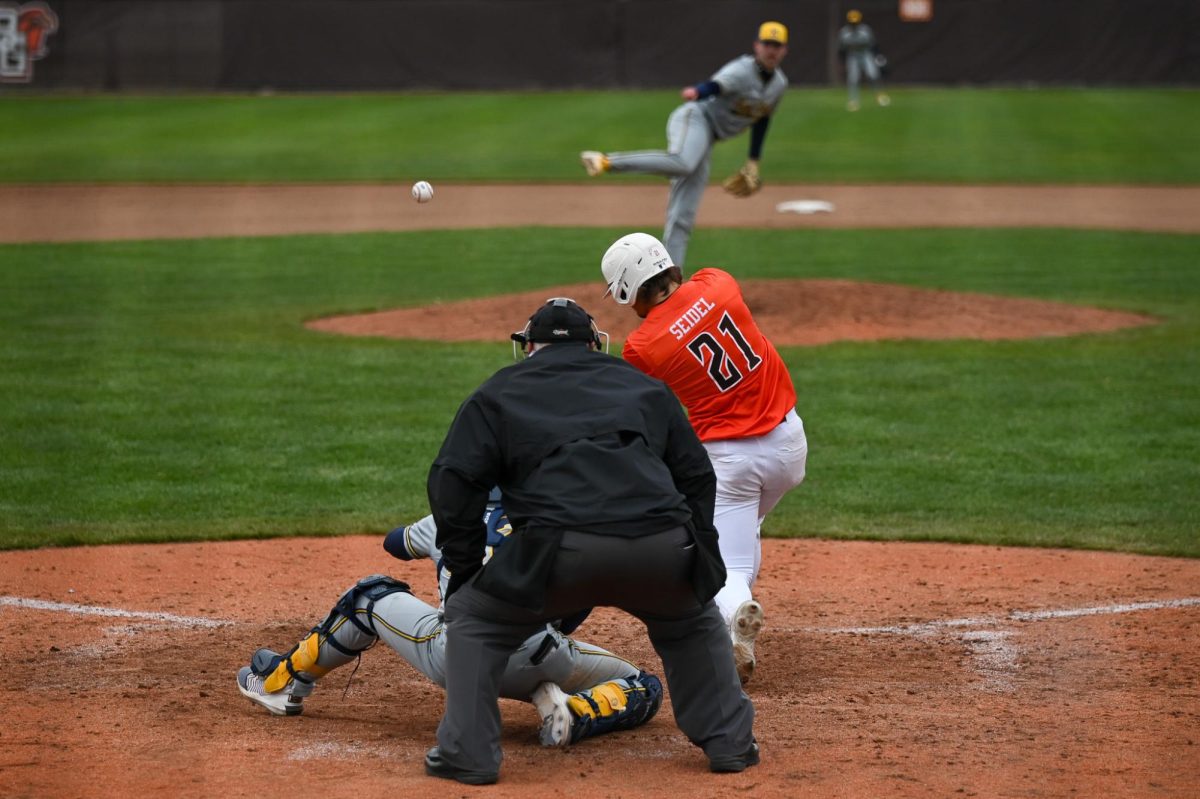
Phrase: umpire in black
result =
(611, 498)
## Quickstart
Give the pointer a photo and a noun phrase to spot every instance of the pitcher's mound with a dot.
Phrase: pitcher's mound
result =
(790, 313)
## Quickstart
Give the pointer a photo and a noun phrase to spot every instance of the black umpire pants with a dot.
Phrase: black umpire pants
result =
(648, 577)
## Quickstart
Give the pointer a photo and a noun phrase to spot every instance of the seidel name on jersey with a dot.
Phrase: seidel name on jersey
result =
(691, 317)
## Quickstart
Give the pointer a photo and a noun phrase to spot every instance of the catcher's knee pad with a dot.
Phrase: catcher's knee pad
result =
(615, 705)
(331, 643)
(356, 606)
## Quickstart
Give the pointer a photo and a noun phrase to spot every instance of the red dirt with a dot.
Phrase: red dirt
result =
(78, 213)
(1105, 704)
(790, 312)
(898, 670)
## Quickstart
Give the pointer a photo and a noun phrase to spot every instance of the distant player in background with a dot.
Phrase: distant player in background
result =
(856, 46)
(742, 94)
(699, 338)
(579, 690)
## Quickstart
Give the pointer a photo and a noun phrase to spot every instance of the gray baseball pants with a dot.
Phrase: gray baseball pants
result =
(648, 577)
(686, 161)
(857, 65)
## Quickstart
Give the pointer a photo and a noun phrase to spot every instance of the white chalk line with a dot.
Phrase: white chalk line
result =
(919, 628)
(97, 610)
(333, 750)
(995, 654)
(931, 627)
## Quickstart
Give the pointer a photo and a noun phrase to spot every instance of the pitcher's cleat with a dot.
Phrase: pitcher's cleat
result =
(744, 627)
(884, 100)
(596, 163)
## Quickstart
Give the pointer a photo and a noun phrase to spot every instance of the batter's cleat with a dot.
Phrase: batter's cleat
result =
(884, 101)
(596, 163)
(435, 766)
(551, 704)
(251, 681)
(852, 105)
(731, 764)
(744, 627)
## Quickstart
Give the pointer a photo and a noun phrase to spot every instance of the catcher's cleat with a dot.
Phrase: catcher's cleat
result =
(596, 163)
(608, 707)
(551, 704)
(252, 682)
(744, 628)
(884, 100)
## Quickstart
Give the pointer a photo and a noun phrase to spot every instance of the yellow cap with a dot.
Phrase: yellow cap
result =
(772, 32)
(854, 16)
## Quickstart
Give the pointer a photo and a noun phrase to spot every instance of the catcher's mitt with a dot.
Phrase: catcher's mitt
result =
(744, 182)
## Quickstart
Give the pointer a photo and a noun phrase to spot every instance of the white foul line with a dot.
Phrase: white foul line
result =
(930, 627)
(96, 610)
(1039, 615)
(921, 628)
(995, 656)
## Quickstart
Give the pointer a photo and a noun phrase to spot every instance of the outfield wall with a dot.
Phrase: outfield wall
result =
(250, 45)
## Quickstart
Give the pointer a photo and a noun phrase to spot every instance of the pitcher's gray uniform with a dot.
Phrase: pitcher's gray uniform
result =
(856, 43)
(594, 690)
(741, 94)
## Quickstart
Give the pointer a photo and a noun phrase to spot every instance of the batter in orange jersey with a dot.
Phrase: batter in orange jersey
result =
(702, 342)
(700, 339)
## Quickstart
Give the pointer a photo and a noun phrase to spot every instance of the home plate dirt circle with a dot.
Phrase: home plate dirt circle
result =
(886, 669)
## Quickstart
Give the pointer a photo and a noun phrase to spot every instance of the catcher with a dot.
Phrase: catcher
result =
(579, 690)
(742, 94)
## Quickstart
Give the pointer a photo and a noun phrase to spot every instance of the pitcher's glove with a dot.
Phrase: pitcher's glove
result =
(745, 181)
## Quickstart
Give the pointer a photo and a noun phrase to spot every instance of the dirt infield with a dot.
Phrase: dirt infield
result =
(897, 670)
(886, 670)
(82, 213)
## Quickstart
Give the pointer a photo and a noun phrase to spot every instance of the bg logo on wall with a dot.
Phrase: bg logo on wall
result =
(24, 30)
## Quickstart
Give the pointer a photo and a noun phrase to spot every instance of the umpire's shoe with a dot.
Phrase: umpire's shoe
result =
(730, 764)
(436, 767)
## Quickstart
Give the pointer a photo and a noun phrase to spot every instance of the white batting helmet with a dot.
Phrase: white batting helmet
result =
(631, 261)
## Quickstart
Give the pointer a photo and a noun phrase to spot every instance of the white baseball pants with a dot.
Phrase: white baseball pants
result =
(753, 474)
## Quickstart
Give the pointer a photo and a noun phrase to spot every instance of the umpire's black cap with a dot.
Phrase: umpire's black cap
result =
(558, 319)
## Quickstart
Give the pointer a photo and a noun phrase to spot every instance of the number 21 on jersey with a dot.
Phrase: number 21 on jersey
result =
(714, 354)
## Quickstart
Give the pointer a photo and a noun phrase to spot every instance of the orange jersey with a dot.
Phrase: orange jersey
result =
(704, 344)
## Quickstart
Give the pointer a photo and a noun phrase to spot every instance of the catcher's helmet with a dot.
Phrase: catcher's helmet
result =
(630, 262)
(854, 16)
(559, 319)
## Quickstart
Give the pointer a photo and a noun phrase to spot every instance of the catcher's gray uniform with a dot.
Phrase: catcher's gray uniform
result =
(745, 96)
(381, 608)
(856, 43)
(414, 630)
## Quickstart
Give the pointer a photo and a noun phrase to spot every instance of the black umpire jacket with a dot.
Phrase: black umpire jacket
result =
(576, 440)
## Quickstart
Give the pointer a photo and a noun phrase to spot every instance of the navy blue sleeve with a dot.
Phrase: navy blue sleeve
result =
(710, 88)
(394, 544)
(571, 623)
(758, 134)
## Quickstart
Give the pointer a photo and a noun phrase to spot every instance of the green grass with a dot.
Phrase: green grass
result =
(167, 390)
(941, 135)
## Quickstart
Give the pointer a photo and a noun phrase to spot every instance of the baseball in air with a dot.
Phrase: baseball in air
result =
(422, 192)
